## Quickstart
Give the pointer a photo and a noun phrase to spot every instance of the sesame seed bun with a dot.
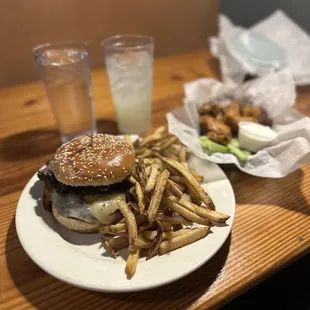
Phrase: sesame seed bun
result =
(75, 224)
(102, 160)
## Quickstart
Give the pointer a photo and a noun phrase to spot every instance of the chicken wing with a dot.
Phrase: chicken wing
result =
(258, 113)
(216, 130)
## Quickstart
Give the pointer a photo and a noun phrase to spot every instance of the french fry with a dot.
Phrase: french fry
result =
(194, 196)
(172, 234)
(172, 198)
(134, 252)
(211, 215)
(148, 171)
(185, 165)
(130, 221)
(143, 243)
(181, 180)
(196, 175)
(159, 163)
(174, 219)
(157, 196)
(150, 139)
(106, 244)
(145, 154)
(132, 262)
(164, 138)
(161, 130)
(140, 150)
(189, 215)
(150, 235)
(173, 172)
(172, 150)
(167, 154)
(139, 194)
(166, 226)
(141, 173)
(152, 178)
(166, 196)
(121, 226)
(157, 135)
(119, 243)
(113, 229)
(180, 241)
(178, 179)
(156, 241)
(182, 154)
(146, 227)
(186, 197)
(181, 187)
(115, 244)
(173, 188)
(148, 161)
(193, 184)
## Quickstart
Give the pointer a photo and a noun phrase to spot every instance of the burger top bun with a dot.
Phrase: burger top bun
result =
(100, 160)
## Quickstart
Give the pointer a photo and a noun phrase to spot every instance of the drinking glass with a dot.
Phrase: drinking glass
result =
(129, 63)
(65, 72)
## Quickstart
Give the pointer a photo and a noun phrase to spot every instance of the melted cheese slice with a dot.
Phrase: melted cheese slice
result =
(102, 207)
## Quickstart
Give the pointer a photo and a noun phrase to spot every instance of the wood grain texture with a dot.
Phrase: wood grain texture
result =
(272, 226)
(177, 26)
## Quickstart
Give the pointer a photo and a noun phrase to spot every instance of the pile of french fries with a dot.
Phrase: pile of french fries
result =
(164, 205)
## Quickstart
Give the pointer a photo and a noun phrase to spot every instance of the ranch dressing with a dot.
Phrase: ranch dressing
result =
(254, 137)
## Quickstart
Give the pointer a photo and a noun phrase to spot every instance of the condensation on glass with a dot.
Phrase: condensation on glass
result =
(66, 74)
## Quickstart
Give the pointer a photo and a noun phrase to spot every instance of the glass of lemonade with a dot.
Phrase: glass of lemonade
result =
(65, 72)
(129, 63)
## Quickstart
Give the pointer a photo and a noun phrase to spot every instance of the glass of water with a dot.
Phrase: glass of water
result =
(65, 72)
(129, 63)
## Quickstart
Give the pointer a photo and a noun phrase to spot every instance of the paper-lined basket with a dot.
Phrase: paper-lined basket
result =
(276, 94)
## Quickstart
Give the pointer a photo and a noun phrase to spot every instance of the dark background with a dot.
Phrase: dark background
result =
(248, 12)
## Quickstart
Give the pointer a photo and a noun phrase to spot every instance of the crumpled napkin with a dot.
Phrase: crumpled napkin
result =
(275, 92)
(279, 28)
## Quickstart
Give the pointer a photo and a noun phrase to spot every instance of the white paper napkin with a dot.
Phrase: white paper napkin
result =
(278, 27)
(275, 92)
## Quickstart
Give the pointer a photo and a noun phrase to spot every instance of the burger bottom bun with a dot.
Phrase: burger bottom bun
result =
(74, 224)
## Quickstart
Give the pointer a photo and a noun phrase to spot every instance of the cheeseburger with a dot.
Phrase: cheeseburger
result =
(86, 179)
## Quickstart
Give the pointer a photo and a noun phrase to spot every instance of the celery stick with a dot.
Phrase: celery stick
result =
(214, 147)
(241, 154)
(235, 142)
(203, 138)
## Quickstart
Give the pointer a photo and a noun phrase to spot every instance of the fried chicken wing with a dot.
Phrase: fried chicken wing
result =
(258, 113)
(233, 121)
(219, 123)
(212, 109)
(205, 109)
(233, 110)
(216, 130)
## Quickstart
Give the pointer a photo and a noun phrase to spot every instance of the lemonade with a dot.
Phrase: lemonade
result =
(130, 71)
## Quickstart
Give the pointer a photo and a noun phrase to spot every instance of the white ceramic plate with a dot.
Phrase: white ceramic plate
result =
(80, 260)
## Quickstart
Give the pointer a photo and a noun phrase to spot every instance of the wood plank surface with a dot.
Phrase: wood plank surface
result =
(272, 225)
(184, 26)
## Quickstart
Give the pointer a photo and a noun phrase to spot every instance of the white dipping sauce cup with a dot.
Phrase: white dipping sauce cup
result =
(254, 137)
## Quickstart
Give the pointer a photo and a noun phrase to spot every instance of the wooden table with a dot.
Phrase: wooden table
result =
(272, 226)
